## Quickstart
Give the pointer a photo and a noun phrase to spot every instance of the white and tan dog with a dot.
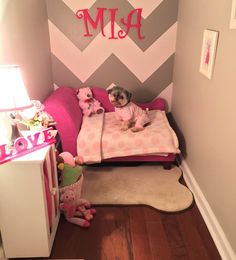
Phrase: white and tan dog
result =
(131, 115)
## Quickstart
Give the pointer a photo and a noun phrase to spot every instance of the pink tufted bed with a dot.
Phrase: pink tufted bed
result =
(63, 105)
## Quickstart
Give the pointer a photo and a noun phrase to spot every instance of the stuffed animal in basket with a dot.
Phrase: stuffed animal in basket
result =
(68, 169)
(88, 104)
(78, 212)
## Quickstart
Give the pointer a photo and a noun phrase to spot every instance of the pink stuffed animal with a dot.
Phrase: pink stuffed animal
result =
(88, 104)
(77, 212)
(72, 161)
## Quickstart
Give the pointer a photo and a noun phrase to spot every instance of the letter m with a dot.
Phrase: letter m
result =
(83, 13)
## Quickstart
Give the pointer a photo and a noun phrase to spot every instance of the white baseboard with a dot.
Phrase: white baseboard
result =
(216, 231)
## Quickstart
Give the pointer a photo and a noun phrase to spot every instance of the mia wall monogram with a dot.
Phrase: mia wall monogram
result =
(84, 14)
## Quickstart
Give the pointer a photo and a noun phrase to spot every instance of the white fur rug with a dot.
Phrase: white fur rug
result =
(144, 185)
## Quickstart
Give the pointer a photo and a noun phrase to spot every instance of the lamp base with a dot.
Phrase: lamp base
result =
(5, 129)
(15, 133)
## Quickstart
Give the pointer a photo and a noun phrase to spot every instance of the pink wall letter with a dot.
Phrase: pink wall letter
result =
(128, 24)
(83, 13)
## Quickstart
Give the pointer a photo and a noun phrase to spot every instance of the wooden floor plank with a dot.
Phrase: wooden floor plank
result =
(204, 234)
(158, 241)
(139, 235)
(174, 236)
(115, 242)
(191, 237)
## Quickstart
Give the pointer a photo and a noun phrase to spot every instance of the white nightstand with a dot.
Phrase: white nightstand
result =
(24, 217)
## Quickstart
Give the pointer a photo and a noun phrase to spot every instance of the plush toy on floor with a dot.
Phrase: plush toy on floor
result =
(78, 212)
(69, 168)
(88, 104)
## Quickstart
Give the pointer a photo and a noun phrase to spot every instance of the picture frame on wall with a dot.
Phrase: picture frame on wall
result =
(233, 15)
(209, 46)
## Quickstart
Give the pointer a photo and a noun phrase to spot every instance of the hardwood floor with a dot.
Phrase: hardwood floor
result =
(136, 232)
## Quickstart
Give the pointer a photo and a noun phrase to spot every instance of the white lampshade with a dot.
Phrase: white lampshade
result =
(13, 93)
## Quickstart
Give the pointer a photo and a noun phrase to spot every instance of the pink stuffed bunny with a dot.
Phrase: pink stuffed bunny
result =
(88, 104)
(77, 212)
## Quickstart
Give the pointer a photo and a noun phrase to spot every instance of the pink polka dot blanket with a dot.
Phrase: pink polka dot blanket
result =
(101, 138)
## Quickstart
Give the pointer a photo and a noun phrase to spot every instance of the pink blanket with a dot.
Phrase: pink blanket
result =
(100, 138)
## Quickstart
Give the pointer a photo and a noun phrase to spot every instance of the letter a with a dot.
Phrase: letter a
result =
(128, 24)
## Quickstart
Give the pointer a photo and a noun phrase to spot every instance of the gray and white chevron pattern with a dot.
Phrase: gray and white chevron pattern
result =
(145, 67)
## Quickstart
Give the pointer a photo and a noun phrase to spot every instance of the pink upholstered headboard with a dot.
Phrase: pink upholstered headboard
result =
(64, 107)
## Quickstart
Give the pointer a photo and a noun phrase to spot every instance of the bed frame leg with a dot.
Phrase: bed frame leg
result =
(167, 165)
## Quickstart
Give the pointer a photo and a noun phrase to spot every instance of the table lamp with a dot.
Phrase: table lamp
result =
(13, 98)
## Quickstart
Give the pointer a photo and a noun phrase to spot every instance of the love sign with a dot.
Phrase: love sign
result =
(25, 145)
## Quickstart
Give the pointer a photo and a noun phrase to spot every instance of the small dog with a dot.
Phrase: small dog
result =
(131, 115)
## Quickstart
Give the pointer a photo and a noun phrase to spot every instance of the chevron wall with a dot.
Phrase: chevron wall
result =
(145, 67)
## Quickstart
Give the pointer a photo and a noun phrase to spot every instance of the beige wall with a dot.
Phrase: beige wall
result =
(25, 41)
(205, 109)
